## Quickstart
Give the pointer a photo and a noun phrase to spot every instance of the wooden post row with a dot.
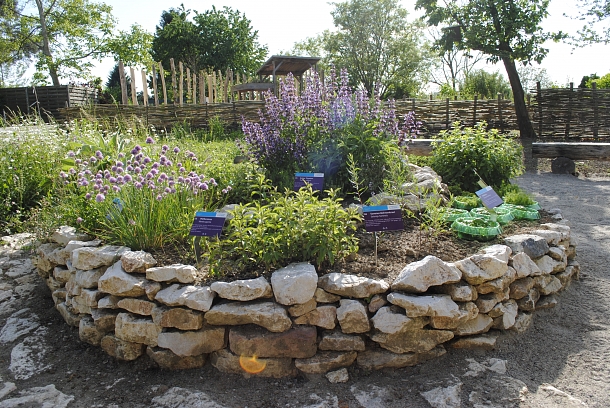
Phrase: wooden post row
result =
(123, 81)
(134, 97)
(181, 84)
(174, 82)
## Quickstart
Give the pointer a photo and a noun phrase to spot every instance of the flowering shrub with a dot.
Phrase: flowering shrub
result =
(146, 198)
(318, 129)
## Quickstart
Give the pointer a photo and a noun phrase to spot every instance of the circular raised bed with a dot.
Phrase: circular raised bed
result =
(503, 215)
(479, 228)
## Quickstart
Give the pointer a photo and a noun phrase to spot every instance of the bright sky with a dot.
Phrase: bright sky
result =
(281, 23)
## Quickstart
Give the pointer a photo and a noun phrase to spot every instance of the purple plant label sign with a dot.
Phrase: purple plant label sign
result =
(208, 224)
(382, 218)
(489, 197)
(315, 179)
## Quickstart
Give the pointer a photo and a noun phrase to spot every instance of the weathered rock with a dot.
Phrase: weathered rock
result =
(564, 230)
(243, 290)
(58, 295)
(483, 342)
(89, 279)
(168, 360)
(352, 316)
(566, 276)
(534, 246)
(499, 251)
(89, 297)
(338, 341)
(151, 288)
(571, 252)
(431, 271)
(294, 284)
(547, 302)
(339, 376)
(137, 306)
(65, 234)
(117, 282)
(88, 258)
(480, 268)
(376, 303)
(61, 274)
(42, 262)
(486, 302)
(548, 265)
(177, 317)
(552, 237)
(172, 273)
(521, 287)
(325, 361)
(434, 305)
(137, 261)
(523, 322)
(380, 359)
(108, 302)
(576, 266)
(504, 314)
(300, 310)
(524, 266)
(71, 318)
(558, 253)
(121, 349)
(480, 324)
(322, 316)
(136, 329)
(299, 342)
(194, 297)
(269, 315)
(550, 287)
(351, 286)
(412, 341)
(459, 292)
(53, 284)
(528, 303)
(193, 343)
(323, 296)
(498, 285)
(387, 321)
(104, 320)
(467, 311)
(75, 244)
(88, 332)
(227, 362)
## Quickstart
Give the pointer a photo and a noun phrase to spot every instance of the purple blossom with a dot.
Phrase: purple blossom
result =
(100, 197)
(79, 220)
(127, 178)
(88, 196)
(176, 150)
(150, 140)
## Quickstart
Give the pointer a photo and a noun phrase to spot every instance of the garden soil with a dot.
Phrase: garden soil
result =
(563, 360)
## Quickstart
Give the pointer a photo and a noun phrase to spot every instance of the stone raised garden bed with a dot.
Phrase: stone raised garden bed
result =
(298, 321)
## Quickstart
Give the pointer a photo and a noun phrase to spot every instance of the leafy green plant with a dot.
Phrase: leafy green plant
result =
(466, 202)
(518, 198)
(458, 154)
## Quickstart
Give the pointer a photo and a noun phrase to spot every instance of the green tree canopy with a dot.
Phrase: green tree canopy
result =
(595, 14)
(212, 40)
(504, 30)
(485, 85)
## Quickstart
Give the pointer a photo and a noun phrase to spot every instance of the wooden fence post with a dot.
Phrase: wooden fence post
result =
(500, 111)
(210, 91)
(226, 87)
(201, 88)
(123, 81)
(134, 97)
(181, 84)
(162, 74)
(154, 83)
(569, 118)
(188, 85)
(174, 81)
(539, 98)
(194, 88)
(144, 87)
(595, 110)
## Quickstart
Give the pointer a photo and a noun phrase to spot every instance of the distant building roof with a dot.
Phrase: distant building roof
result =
(285, 64)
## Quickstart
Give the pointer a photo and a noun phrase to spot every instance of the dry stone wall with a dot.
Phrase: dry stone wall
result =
(297, 321)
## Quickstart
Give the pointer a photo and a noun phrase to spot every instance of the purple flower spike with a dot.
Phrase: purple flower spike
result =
(100, 197)
(176, 150)
(88, 196)
(150, 140)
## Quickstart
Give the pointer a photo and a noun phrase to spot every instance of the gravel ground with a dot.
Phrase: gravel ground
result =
(563, 360)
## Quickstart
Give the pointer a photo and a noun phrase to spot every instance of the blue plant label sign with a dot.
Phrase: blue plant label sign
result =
(315, 179)
(208, 224)
(489, 197)
(382, 218)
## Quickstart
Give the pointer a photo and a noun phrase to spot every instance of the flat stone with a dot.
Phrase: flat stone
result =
(104, 320)
(337, 377)
(498, 285)
(151, 288)
(534, 246)
(300, 310)
(294, 284)
(325, 361)
(88, 258)
(486, 302)
(528, 302)
(418, 276)
(576, 266)
(387, 321)
(59, 296)
(547, 302)
(108, 302)
(88, 332)
(194, 297)
(75, 244)
(548, 265)
(434, 305)
(483, 342)
(558, 253)
(168, 360)
(412, 341)
(137, 261)
(523, 322)
(18, 324)
(137, 306)
(338, 341)
(521, 287)
(380, 359)
(504, 314)
(352, 286)
(564, 230)
(552, 237)
(136, 329)
(227, 362)
(71, 318)
(243, 290)
(193, 343)
(62, 274)
(553, 286)
(459, 292)
(480, 268)
(480, 324)
(376, 303)
(42, 262)
(499, 251)
(44, 397)
(321, 316)
(121, 349)
(300, 342)
(65, 234)
(352, 316)
(117, 282)
(467, 311)
(269, 315)
(566, 276)
(172, 273)
(89, 279)
(323, 296)
(89, 297)
(177, 317)
(524, 266)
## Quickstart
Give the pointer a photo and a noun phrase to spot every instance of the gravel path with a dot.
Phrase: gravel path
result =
(563, 360)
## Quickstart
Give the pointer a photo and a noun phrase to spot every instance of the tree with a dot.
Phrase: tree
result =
(530, 75)
(213, 40)
(593, 12)
(504, 30)
(64, 36)
(377, 45)
(485, 85)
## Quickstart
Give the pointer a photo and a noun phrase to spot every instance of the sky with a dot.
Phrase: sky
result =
(281, 23)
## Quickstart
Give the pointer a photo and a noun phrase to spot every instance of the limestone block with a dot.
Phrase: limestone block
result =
(172, 273)
(104, 319)
(551, 237)
(116, 281)
(325, 361)
(412, 341)
(89, 297)
(434, 305)
(300, 310)
(480, 268)
(194, 297)
(193, 343)
(59, 296)
(521, 287)
(548, 265)
(534, 246)
(243, 290)
(576, 266)
(553, 286)
(227, 362)
(523, 322)
(338, 341)
(338, 376)
(269, 315)
(53, 284)
(88, 258)
(501, 252)
(294, 284)
(61, 274)
(524, 266)
(177, 317)
(504, 314)
(388, 321)
(351, 286)
(137, 306)
(137, 261)
(547, 302)
(563, 229)
(121, 349)
(88, 332)
(376, 303)
(486, 302)
(528, 303)
(75, 244)
(321, 316)
(42, 262)
(380, 359)
(168, 360)
(566, 276)
(108, 302)
(571, 252)
(136, 329)
(558, 253)
(498, 285)
(480, 324)
(467, 311)
(482, 342)
(323, 296)
(352, 316)
(65, 234)
(71, 318)
(459, 292)
(89, 279)
(418, 276)
(151, 288)
(300, 342)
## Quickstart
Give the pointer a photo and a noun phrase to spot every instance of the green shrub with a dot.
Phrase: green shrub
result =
(518, 198)
(460, 154)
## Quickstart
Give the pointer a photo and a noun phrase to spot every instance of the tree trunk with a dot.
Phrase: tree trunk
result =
(45, 44)
(526, 128)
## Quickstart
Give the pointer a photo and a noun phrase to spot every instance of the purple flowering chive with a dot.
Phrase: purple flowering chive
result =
(154, 171)
(159, 197)
(138, 185)
(99, 154)
(88, 196)
(71, 154)
(78, 161)
(182, 170)
(121, 155)
(63, 174)
(179, 164)
(119, 179)
(119, 163)
(168, 163)
(146, 160)
(100, 197)
(79, 220)
(165, 148)
(155, 165)
(116, 189)
(92, 160)
(224, 191)
(132, 222)
(119, 170)
(171, 183)
(149, 175)
(84, 183)
(213, 182)
(127, 178)
(180, 179)
(173, 191)
(137, 170)
(168, 190)
(113, 168)
(129, 168)
(141, 179)
(203, 186)
(176, 150)
(150, 140)
(106, 189)
(96, 187)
